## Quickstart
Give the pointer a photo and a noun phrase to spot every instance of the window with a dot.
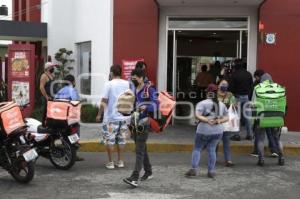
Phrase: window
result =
(85, 66)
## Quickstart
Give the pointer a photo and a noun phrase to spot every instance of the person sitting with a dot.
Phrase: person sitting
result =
(69, 92)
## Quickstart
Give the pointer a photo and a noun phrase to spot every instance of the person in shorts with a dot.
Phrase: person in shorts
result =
(114, 127)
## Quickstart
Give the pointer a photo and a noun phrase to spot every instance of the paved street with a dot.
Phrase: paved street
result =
(89, 179)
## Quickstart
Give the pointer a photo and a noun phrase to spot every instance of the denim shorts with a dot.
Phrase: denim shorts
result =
(114, 133)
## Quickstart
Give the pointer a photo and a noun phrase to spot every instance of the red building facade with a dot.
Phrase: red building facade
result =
(136, 35)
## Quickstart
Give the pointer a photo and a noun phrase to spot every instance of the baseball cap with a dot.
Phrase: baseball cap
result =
(49, 65)
(212, 88)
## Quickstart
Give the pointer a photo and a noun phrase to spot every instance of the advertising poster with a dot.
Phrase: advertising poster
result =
(127, 67)
(20, 92)
(20, 64)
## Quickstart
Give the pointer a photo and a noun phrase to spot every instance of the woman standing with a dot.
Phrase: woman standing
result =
(212, 114)
(228, 99)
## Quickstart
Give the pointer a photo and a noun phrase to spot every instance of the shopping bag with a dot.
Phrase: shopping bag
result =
(233, 125)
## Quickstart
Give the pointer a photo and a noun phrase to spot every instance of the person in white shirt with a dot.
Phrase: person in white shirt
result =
(114, 127)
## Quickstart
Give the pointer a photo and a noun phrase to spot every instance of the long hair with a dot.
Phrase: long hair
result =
(216, 106)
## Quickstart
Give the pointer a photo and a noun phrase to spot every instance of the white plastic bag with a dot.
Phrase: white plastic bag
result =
(233, 125)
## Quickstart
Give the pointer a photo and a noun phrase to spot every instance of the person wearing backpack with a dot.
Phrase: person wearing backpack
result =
(272, 119)
(260, 76)
(114, 124)
(146, 105)
(211, 114)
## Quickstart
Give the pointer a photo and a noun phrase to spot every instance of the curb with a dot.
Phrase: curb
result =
(95, 146)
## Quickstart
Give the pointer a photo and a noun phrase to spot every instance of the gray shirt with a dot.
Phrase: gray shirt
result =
(204, 108)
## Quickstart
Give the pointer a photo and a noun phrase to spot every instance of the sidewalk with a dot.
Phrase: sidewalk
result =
(180, 138)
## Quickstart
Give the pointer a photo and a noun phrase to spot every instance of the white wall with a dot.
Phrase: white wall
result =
(204, 11)
(71, 22)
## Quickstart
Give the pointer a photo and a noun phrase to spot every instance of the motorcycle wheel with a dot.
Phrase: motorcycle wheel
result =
(24, 171)
(64, 156)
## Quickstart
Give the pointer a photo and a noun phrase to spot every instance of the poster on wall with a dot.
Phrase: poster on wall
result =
(20, 64)
(20, 92)
(127, 67)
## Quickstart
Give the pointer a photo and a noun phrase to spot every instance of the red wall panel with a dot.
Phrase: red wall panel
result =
(136, 32)
(282, 60)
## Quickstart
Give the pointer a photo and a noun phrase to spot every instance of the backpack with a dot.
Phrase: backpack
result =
(164, 115)
(270, 104)
(125, 104)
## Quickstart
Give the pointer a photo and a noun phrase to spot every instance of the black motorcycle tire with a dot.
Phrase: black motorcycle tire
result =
(28, 167)
(71, 155)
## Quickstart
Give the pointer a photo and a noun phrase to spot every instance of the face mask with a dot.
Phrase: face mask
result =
(224, 88)
(135, 82)
(51, 70)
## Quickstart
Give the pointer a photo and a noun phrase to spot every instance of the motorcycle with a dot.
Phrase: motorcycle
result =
(59, 145)
(16, 155)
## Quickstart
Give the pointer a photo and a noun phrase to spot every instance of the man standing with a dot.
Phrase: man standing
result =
(114, 126)
(241, 86)
(46, 81)
(146, 105)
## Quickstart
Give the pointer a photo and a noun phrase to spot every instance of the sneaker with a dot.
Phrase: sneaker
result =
(120, 164)
(211, 175)
(261, 163)
(281, 161)
(249, 137)
(131, 181)
(110, 165)
(191, 173)
(254, 154)
(229, 164)
(274, 155)
(147, 176)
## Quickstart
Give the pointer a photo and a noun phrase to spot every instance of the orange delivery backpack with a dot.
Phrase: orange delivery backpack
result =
(62, 113)
(11, 118)
(165, 110)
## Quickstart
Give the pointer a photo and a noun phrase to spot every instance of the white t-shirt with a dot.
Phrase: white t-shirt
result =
(112, 90)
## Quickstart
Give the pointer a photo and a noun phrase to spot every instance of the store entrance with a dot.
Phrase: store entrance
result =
(189, 51)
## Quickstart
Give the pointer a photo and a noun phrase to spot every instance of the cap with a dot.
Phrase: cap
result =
(212, 88)
(49, 65)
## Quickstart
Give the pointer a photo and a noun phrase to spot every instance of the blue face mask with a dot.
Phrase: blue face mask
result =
(224, 88)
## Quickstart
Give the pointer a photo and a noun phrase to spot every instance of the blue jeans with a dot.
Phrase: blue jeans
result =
(243, 99)
(209, 142)
(272, 141)
(226, 145)
(260, 134)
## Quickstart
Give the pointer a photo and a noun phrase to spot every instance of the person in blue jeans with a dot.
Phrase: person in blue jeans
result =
(228, 99)
(211, 114)
(241, 86)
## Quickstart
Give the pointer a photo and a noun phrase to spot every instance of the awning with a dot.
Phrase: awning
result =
(22, 31)
(209, 2)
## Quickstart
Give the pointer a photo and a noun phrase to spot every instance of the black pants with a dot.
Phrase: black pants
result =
(142, 157)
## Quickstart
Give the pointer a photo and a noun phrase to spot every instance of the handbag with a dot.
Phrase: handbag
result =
(233, 125)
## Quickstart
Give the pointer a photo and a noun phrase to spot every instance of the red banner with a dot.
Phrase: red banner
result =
(128, 66)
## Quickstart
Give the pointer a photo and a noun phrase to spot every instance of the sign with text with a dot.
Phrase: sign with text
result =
(21, 75)
(128, 66)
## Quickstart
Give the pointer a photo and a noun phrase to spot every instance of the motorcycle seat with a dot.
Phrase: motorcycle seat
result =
(43, 130)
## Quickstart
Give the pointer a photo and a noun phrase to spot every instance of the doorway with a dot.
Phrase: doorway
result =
(211, 41)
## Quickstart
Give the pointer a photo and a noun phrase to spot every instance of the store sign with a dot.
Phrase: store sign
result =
(270, 38)
(127, 67)
(21, 75)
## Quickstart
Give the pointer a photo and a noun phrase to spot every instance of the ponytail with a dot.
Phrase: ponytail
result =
(216, 104)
